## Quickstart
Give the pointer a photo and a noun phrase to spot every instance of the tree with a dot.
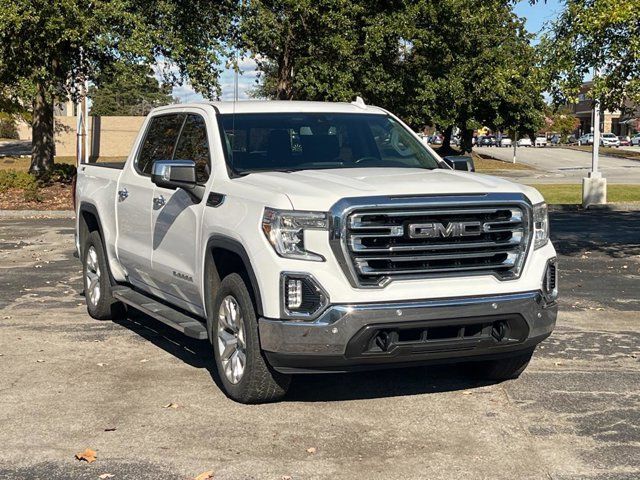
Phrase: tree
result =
(471, 64)
(323, 50)
(563, 122)
(128, 90)
(590, 35)
(49, 47)
(447, 63)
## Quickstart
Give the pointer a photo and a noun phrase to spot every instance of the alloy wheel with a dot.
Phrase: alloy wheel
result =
(231, 339)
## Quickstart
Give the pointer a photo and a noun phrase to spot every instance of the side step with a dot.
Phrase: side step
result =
(190, 326)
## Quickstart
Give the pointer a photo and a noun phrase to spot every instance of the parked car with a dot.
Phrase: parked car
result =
(505, 142)
(625, 141)
(635, 140)
(556, 139)
(290, 254)
(524, 142)
(436, 139)
(586, 139)
(609, 140)
(572, 140)
(487, 141)
(541, 141)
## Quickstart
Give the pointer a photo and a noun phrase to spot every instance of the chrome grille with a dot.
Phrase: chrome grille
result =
(384, 243)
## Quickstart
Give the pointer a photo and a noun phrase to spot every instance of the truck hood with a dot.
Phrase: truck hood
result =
(320, 189)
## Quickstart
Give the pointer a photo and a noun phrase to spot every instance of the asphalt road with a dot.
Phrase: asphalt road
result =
(68, 382)
(562, 165)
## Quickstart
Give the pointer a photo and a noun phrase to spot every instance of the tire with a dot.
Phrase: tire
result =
(97, 282)
(233, 320)
(503, 369)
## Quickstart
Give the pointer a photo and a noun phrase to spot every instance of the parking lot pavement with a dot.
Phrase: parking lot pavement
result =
(15, 147)
(68, 382)
(562, 165)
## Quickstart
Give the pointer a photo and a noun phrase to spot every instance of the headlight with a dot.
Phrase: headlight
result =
(285, 231)
(540, 225)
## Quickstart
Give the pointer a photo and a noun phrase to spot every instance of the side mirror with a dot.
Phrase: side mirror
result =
(460, 162)
(175, 174)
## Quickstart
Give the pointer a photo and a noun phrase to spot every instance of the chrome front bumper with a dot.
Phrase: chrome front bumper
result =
(335, 340)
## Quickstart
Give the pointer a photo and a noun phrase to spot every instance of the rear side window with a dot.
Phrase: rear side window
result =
(160, 141)
(193, 145)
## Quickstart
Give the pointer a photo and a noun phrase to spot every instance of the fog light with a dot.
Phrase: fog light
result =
(302, 297)
(294, 293)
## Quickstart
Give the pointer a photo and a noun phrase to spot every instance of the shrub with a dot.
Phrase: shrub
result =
(16, 179)
(8, 127)
(31, 193)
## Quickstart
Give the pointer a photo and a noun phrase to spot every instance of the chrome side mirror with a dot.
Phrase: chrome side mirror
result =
(174, 174)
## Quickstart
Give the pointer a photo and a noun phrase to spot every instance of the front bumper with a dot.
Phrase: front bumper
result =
(348, 337)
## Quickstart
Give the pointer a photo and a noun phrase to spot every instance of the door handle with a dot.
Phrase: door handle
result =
(123, 194)
(159, 201)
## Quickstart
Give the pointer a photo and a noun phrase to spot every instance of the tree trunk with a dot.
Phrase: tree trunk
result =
(285, 77)
(446, 149)
(466, 141)
(42, 142)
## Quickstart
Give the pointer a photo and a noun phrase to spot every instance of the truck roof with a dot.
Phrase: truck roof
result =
(275, 106)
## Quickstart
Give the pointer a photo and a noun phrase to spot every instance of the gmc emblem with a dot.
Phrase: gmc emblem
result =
(437, 229)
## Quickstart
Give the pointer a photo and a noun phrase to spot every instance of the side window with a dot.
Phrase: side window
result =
(193, 145)
(159, 142)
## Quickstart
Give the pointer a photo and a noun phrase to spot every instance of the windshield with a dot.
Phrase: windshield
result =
(310, 141)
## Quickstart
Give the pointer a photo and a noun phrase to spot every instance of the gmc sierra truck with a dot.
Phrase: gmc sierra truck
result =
(315, 237)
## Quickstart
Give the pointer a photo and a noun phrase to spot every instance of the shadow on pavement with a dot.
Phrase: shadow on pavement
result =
(311, 387)
(613, 233)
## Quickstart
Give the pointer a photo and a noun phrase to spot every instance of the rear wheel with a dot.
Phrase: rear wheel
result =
(243, 371)
(503, 369)
(97, 283)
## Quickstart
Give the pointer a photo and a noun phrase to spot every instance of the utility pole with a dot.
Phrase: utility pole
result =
(594, 187)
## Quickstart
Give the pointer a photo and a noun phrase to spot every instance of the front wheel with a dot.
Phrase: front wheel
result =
(243, 371)
(97, 284)
(503, 369)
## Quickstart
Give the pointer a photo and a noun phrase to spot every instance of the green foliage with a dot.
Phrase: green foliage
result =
(16, 179)
(128, 90)
(8, 126)
(48, 48)
(564, 123)
(447, 63)
(595, 34)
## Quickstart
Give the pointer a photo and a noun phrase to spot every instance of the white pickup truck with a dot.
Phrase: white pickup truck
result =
(315, 237)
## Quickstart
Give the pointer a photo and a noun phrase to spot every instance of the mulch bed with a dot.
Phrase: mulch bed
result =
(53, 197)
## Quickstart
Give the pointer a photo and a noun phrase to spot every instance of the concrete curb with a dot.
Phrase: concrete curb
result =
(611, 207)
(37, 214)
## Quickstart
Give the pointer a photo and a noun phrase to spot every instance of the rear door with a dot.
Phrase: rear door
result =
(175, 222)
(135, 198)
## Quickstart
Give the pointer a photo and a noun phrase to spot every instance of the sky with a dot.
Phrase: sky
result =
(536, 17)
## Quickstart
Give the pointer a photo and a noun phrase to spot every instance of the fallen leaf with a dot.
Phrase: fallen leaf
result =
(101, 364)
(557, 364)
(40, 361)
(171, 405)
(286, 477)
(88, 455)
(6, 317)
(110, 429)
(144, 360)
(205, 475)
(106, 475)
(311, 450)
(467, 393)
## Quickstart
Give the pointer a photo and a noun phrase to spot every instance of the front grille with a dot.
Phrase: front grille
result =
(384, 244)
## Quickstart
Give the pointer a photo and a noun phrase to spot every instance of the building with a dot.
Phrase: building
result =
(619, 122)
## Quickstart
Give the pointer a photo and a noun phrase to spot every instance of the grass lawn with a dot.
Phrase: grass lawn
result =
(22, 164)
(486, 164)
(610, 151)
(572, 194)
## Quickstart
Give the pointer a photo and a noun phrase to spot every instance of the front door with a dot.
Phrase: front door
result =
(134, 199)
(176, 252)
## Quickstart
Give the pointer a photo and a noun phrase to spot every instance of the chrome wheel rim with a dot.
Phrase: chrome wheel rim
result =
(231, 339)
(92, 276)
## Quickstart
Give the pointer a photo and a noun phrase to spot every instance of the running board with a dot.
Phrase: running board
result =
(190, 326)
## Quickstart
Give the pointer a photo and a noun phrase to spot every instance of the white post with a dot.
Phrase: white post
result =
(594, 187)
(515, 145)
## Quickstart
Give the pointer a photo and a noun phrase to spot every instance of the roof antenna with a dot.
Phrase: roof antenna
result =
(359, 102)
